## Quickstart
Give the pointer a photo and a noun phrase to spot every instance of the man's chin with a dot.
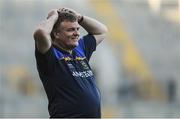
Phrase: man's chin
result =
(73, 46)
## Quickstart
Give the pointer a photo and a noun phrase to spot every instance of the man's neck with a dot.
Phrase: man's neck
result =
(62, 48)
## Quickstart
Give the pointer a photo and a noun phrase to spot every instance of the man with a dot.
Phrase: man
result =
(63, 63)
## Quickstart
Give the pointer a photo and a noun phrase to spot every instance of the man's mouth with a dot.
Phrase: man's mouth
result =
(76, 38)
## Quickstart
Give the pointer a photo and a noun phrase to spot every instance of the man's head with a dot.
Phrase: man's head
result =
(65, 32)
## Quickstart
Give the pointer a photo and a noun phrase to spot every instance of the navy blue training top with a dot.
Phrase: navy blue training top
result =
(69, 81)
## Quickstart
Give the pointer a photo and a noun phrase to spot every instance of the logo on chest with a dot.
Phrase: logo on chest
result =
(84, 65)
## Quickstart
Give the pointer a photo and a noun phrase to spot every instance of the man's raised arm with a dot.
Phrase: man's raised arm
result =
(94, 27)
(42, 35)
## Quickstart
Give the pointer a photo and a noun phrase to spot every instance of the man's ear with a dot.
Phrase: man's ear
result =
(56, 35)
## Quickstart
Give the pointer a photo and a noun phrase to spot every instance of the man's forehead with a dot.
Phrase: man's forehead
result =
(69, 24)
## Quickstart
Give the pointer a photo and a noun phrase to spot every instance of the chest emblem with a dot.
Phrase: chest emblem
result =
(84, 65)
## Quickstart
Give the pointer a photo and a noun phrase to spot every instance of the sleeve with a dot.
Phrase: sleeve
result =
(45, 62)
(89, 45)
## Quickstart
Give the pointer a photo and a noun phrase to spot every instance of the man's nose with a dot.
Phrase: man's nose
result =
(76, 33)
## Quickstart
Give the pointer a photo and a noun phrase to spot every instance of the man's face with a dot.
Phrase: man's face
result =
(68, 34)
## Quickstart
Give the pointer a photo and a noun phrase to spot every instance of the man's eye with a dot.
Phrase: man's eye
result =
(73, 29)
(70, 30)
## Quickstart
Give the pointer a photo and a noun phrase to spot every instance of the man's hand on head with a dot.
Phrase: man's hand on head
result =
(53, 12)
(64, 9)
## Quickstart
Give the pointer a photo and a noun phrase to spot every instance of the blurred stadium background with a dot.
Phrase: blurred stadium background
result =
(137, 67)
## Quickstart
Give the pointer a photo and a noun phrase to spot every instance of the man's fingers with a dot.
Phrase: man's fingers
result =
(52, 12)
(64, 9)
(67, 10)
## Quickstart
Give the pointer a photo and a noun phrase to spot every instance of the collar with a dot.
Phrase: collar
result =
(62, 50)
